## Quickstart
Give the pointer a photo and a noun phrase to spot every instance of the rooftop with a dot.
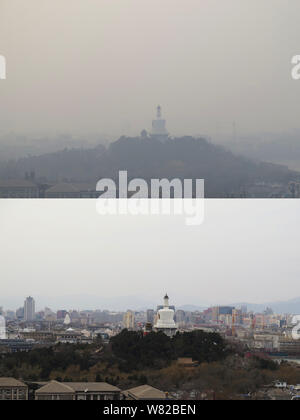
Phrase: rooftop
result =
(145, 392)
(11, 382)
(54, 387)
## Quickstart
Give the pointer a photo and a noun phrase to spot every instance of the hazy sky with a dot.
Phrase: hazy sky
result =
(103, 65)
(62, 251)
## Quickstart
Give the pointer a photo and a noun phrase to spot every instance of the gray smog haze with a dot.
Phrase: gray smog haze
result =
(66, 255)
(87, 66)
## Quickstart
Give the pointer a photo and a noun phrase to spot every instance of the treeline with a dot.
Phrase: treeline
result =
(127, 352)
(39, 363)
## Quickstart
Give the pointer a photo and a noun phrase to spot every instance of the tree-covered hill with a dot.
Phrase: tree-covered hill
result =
(156, 350)
(225, 174)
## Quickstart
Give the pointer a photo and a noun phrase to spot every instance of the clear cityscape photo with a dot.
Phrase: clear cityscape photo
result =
(149, 204)
(99, 301)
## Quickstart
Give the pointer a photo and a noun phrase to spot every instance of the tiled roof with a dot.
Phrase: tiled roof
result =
(55, 387)
(11, 382)
(93, 387)
(146, 392)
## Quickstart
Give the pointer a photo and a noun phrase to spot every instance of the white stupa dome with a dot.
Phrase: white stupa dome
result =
(165, 319)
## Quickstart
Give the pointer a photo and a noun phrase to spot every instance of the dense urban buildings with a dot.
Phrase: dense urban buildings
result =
(23, 329)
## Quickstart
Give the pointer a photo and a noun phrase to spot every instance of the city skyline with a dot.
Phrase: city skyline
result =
(44, 305)
(66, 249)
(166, 318)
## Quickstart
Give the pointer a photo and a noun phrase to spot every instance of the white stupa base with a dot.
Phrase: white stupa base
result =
(168, 331)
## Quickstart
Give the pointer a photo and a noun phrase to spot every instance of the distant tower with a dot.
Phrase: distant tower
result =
(150, 315)
(159, 130)
(29, 309)
(2, 328)
(129, 320)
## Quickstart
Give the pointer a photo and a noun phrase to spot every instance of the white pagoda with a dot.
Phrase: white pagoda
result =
(165, 319)
(159, 130)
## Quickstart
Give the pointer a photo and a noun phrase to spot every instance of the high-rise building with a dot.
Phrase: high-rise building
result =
(2, 328)
(150, 315)
(128, 320)
(180, 316)
(29, 309)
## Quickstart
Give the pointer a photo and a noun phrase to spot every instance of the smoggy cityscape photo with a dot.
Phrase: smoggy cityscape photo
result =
(149, 203)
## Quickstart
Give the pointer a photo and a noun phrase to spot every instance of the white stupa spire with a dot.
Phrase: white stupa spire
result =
(158, 113)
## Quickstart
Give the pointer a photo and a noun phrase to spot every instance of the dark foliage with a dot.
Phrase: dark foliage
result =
(155, 350)
(46, 360)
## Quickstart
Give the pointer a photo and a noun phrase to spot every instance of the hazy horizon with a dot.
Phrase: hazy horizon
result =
(125, 303)
(245, 251)
(102, 67)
